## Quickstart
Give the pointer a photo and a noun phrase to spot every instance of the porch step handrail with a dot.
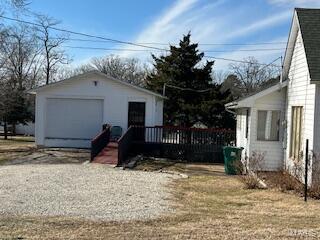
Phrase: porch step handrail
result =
(124, 145)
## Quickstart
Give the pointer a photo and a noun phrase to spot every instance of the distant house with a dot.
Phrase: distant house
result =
(279, 119)
(71, 112)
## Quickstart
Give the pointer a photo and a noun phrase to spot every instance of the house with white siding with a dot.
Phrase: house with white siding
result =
(71, 112)
(278, 120)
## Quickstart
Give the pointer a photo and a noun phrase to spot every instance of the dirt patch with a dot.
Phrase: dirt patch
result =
(190, 169)
(49, 156)
(22, 150)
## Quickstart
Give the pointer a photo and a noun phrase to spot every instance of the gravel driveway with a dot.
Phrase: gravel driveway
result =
(91, 191)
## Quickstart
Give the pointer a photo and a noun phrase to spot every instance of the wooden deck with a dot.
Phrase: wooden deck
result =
(109, 155)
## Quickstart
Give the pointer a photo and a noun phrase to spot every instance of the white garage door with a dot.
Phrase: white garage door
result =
(73, 119)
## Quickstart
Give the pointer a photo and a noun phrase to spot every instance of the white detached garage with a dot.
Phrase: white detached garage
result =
(71, 112)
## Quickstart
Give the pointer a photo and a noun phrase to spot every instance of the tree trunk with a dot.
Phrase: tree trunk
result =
(13, 129)
(5, 130)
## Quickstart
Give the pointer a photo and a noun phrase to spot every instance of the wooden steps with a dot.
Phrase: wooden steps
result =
(109, 155)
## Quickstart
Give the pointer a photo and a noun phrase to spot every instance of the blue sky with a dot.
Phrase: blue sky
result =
(165, 21)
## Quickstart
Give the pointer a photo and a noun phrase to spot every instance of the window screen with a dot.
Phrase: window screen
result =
(268, 125)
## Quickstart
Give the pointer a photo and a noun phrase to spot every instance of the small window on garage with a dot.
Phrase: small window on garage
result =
(268, 125)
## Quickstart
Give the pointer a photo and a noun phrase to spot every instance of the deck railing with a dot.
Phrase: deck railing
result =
(100, 141)
(182, 135)
(190, 144)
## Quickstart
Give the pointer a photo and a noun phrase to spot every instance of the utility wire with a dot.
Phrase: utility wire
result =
(79, 33)
(141, 50)
(209, 89)
(240, 61)
(166, 44)
(111, 49)
(188, 89)
(110, 39)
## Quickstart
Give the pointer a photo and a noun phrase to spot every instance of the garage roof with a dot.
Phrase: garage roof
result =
(100, 74)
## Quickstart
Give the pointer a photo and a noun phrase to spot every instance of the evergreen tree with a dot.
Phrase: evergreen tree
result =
(14, 107)
(192, 94)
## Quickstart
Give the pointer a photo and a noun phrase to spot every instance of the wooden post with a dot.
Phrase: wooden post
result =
(306, 172)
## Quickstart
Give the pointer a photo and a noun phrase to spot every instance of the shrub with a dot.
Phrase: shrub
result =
(285, 182)
(314, 190)
(250, 181)
(250, 166)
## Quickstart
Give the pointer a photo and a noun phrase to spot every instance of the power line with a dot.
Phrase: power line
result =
(79, 33)
(209, 89)
(186, 89)
(141, 50)
(111, 49)
(240, 61)
(166, 44)
(110, 39)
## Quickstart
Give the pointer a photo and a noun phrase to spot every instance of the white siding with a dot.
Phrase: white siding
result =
(159, 113)
(300, 93)
(242, 140)
(273, 150)
(115, 97)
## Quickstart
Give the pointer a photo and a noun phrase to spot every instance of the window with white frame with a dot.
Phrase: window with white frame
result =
(268, 125)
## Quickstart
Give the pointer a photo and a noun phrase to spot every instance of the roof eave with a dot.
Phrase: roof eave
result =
(249, 101)
(40, 88)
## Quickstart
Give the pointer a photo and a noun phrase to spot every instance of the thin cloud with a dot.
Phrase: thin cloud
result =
(304, 3)
(164, 23)
(261, 56)
(206, 21)
(262, 24)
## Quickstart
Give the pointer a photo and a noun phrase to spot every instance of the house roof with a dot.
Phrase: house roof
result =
(100, 74)
(308, 21)
(249, 100)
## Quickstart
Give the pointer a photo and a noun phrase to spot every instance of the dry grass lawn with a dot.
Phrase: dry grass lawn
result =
(209, 205)
(15, 147)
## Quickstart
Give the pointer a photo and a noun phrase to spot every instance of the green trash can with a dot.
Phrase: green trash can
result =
(231, 155)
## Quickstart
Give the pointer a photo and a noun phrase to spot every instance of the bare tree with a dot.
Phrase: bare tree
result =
(53, 54)
(21, 56)
(12, 5)
(126, 69)
(19, 59)
(219, 76)
(251, 75)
